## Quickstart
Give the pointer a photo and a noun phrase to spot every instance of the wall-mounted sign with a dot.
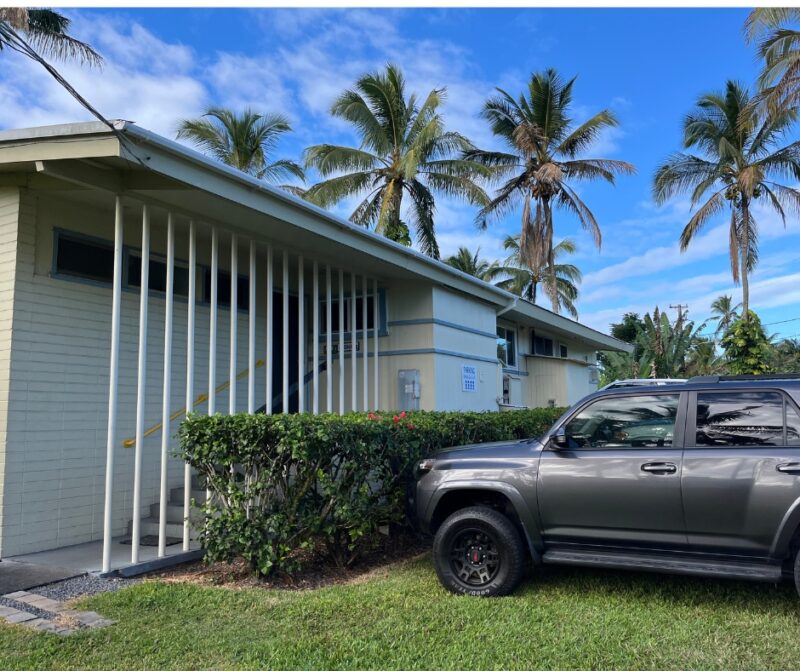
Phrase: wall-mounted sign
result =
(469, 378)
(348, 348)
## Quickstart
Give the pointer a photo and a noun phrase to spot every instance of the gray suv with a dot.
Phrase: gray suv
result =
(700, 478)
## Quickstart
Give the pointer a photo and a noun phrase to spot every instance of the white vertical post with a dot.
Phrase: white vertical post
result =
(113, 379)
(285, 368)
(301, 344)
(375, 364)
(190, 311)
(353, 343)
(251, 333)
(234, 345)
(212, 324)
(315, 336)
(341, 341)
(328, 342)
(365, 340)
(269, 365)
(167, 389)
(141, 384)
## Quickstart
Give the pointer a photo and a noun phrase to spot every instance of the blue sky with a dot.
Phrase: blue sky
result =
(647, 65)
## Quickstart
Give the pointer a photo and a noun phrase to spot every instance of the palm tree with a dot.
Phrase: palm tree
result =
(779, 46)
(244, 141)
(724, 312)
(471, 264)
(404, 152)
(525, 278)
(544, 161)
(46, 31)
(738, 163)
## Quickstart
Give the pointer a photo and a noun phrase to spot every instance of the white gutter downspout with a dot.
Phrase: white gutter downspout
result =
(510, 306)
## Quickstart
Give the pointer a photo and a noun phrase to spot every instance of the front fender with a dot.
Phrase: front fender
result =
(789, 525)
(521, 507)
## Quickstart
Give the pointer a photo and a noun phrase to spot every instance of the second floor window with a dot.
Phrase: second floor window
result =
(507, 346)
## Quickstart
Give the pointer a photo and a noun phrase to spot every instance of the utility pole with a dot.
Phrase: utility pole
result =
(680, 308)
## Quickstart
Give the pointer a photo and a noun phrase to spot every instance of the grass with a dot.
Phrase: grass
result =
(560, 619)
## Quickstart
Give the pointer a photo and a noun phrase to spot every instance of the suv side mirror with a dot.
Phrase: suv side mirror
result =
(559, 438)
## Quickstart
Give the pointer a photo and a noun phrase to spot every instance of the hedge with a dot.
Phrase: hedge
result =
(281, 484)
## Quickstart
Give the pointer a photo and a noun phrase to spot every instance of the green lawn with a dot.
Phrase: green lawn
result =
(562, 619)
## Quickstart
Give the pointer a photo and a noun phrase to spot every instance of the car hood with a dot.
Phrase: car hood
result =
(504, 449)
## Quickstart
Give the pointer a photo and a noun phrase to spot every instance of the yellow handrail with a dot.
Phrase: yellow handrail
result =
(130, 442)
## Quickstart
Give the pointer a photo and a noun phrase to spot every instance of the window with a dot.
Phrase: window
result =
(506, 346)
(562, 350)
(625, 421)
(84, 257)
(348, 314)
(224, 289)
(792, 425)
(158, 275)
(740, 418)
(542, 346)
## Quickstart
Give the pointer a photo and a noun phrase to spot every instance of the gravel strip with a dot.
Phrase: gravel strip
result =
(84, 585)
(19, 605)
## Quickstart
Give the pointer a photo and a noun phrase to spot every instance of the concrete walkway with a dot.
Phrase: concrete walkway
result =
(20, 575)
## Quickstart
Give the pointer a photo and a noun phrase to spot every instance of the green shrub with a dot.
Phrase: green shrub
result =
(747, 347)
(282, 483)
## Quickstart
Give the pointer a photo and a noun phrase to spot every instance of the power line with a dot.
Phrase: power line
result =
(793, 319)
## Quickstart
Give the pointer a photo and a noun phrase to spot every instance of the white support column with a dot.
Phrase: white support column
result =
(113, 379)
(375, 363)
(328, 342)
(212, 324)
(353, 343)
(365, 341)
(234, 344)
(269, 365)
(301, 341)
(167, 388)
(190, 314)
(141, 387)
(251, 333)
(285, 368)
(315, 336)
(341, 341)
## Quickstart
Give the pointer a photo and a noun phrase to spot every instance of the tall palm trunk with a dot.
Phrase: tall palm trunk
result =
(745, 247)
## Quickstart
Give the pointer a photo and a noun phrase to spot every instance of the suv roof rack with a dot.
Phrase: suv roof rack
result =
(742, 378)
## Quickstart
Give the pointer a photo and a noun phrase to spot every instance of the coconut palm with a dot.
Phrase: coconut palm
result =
(46, 31)
(543, 163)
(724, 312)
(404, 153)
(779, 46)
(472, 264)
(525, 277)
(244, 141)
(739, 160)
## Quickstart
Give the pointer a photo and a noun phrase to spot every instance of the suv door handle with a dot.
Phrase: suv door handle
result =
(659, 467)
(789, 468)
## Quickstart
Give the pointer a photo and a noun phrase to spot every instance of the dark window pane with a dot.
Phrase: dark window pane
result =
(792, 425)
(627, 421)
(360, 313)
(740, 418)
(542, 346)
(158, 276)
(83, 258)
(224, 289)
(563, 351)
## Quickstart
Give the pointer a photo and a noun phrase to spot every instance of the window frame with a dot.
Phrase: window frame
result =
(691, 418)
(85, 238)
(135, 252)
(513, 331)
(678, 435)
(383, 325)
(553, 345)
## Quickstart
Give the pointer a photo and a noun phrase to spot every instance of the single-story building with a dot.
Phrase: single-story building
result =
(255, 301)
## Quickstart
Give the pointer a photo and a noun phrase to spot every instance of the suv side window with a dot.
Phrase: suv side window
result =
(647, 420)
(792, 425)
(741, 418)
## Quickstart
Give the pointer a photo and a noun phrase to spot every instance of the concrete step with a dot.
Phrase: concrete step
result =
(176, 495)
(149, 527)
(175, 512)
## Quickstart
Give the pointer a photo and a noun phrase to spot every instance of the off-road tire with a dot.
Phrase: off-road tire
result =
(494, 535)
(797, 572)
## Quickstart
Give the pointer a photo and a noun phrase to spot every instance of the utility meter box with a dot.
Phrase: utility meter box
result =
(408, 390)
